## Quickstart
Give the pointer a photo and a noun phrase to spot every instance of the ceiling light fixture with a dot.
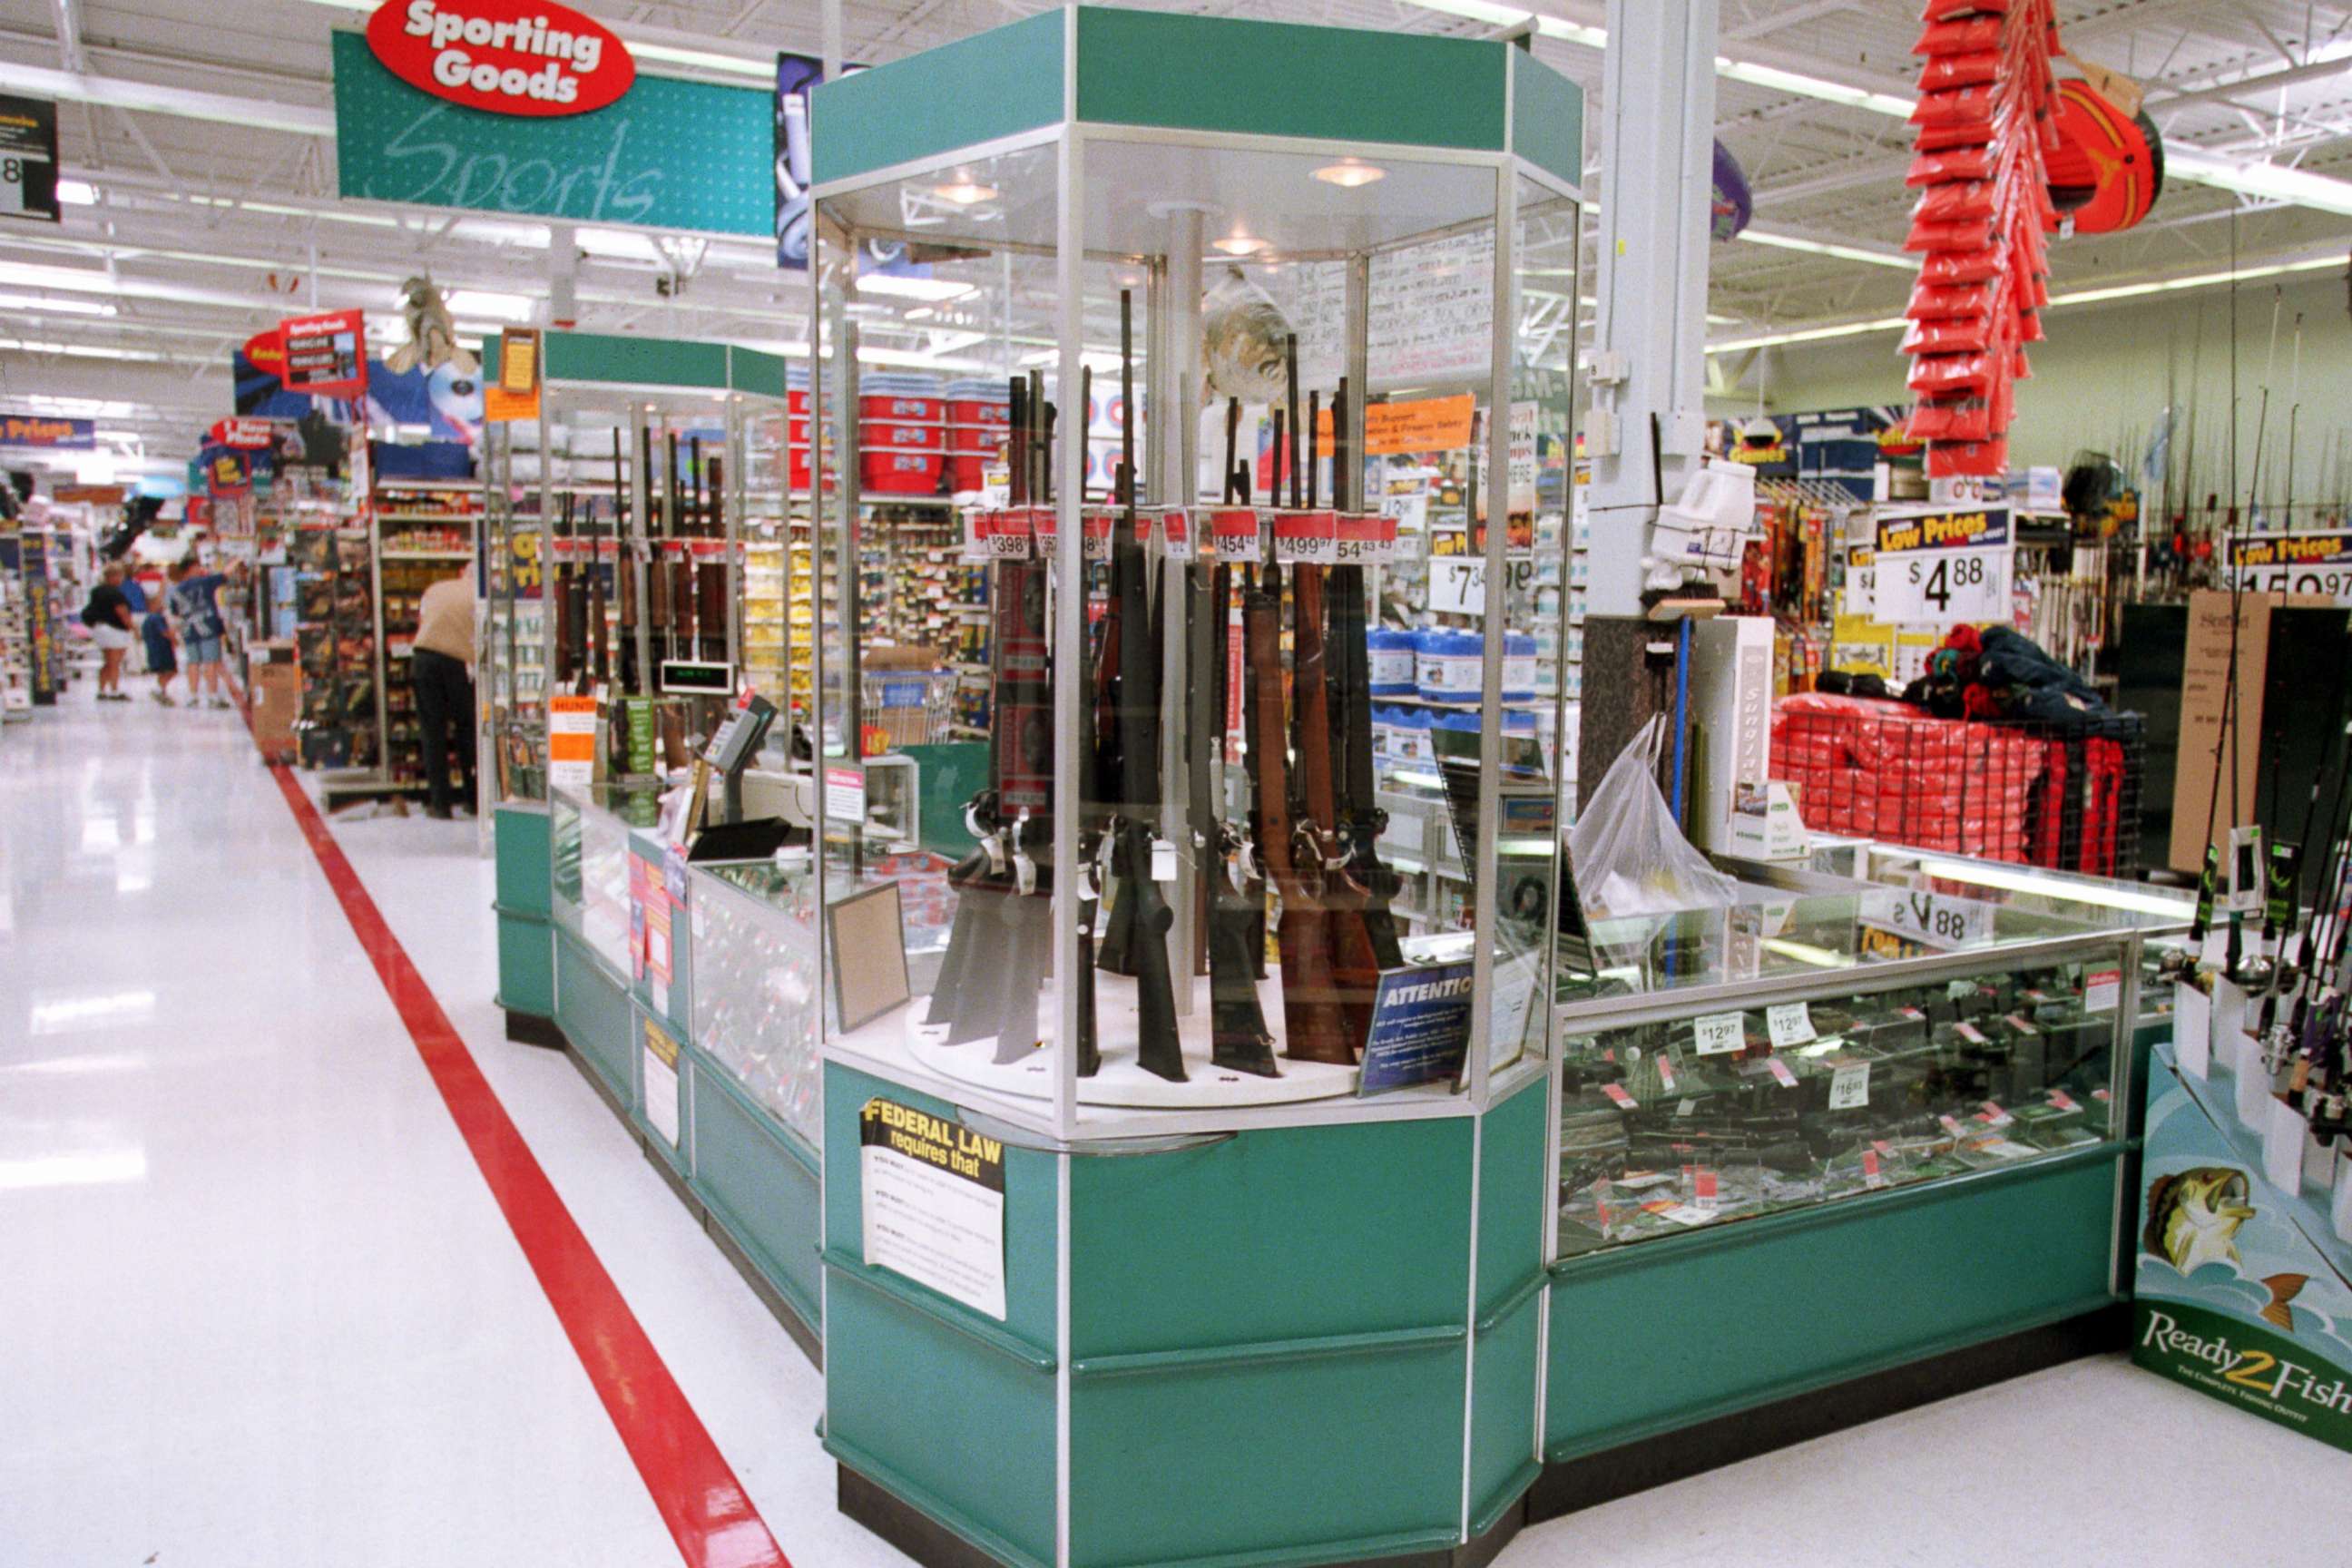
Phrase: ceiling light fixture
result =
(62, 307)
(965, 191)
(931, 290)
(1239, 244)
(1348, 173)
(2072, 297)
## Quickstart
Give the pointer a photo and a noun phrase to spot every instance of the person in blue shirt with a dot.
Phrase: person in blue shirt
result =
(155, 631)
(194, 605)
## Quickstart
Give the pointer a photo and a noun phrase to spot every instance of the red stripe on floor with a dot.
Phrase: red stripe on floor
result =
(704, 1505)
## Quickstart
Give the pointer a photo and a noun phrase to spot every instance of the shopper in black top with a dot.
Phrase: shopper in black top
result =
(113, 627)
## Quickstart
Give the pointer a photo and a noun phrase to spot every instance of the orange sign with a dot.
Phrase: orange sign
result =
(1423, 424)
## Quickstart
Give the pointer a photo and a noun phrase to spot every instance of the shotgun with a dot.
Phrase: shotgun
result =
(718, 573)
(980, 877)
(1239, 1040)
(1361, 819)
(1312, 1025)
(1158, 1048)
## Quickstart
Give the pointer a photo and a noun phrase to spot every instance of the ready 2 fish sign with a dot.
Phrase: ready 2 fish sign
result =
(506, 57)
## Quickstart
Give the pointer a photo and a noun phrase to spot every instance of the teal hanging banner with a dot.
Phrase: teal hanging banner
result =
(668, 154)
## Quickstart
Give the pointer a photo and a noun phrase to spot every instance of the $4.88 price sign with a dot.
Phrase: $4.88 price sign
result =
(1942, 586)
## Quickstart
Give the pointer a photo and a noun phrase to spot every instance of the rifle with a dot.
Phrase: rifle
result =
(1239, 1040)
(1140, 915)
(568, 611)
(1314, 1030)
(1026, 796)
(715, 573)
(679, 568)
(979, 878)
(1361, 819)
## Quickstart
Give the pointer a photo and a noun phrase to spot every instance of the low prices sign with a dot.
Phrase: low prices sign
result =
(504, 57)
(49, 435)
(1943, 568)
(325, 355)
(2293, 563)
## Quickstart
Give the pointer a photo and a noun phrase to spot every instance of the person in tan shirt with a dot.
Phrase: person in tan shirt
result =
(440, 671)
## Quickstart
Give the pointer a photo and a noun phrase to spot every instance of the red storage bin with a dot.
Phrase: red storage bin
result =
(885, 471)
(886, 409)
(797, 401)
(979, 411)
(967, 470)
(877, 435)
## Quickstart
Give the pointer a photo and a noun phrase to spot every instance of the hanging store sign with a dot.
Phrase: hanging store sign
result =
(663, 153)
(241, 432)
(326, 355)
(2293, 563)
(28, 159)
(505, 56)
(47, 435)
(1942, 568)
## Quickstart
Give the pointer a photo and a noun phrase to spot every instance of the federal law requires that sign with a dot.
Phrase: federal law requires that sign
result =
(1942, 567)
(932, 1195)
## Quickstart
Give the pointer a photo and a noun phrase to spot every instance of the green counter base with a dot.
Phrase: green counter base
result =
(1567, 1486)
(797, 1328)
(934, 1546)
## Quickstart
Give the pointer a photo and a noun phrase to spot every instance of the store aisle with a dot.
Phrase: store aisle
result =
(261, 1310)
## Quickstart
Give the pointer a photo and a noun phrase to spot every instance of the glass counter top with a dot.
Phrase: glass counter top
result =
(1771, 934)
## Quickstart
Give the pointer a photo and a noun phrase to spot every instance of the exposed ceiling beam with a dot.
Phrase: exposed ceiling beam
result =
(79, 87)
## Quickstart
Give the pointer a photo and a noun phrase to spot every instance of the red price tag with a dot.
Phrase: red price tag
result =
(1617, 1095)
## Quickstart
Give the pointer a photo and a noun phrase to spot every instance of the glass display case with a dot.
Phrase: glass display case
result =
(1267, 559)
(756, 985)
(513, 637)
(589, 828)
(1801, 1048)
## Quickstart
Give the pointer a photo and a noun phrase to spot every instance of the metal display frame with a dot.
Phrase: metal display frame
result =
(1168, 316)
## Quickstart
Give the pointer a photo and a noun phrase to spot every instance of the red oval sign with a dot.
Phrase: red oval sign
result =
(506, 57)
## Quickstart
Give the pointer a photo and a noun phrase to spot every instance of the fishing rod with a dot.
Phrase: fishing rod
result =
(2244, 970)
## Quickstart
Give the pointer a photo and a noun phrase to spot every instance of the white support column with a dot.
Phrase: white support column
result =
(1649, 351)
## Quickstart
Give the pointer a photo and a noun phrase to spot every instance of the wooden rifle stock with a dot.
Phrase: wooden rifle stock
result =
(1312, 1025)
(1356, 975)
(1239, 1040)
(718, 570)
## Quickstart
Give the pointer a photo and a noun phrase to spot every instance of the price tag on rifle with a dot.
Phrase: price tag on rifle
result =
(1780, 1073)
(1306, 538)
(1046, 522)
(1237, 535)
(1719, 1034)
(1789, 1023)
(1096, 528)
(1850, 1087)
(1176, 532)
(1365, 539)
(1665, 1072)
(1619, 1098)
(1008, 535)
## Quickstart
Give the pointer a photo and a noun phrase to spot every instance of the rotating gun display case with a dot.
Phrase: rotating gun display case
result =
(1180, 1130)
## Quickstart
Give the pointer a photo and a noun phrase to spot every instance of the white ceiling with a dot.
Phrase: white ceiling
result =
(210, 228)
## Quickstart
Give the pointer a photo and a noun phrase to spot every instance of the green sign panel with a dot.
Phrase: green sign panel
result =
(670, 154)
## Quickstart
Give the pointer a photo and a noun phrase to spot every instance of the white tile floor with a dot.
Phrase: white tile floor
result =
(257, 1310)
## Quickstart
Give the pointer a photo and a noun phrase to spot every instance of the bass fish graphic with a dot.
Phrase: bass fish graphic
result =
(2193, 1218)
